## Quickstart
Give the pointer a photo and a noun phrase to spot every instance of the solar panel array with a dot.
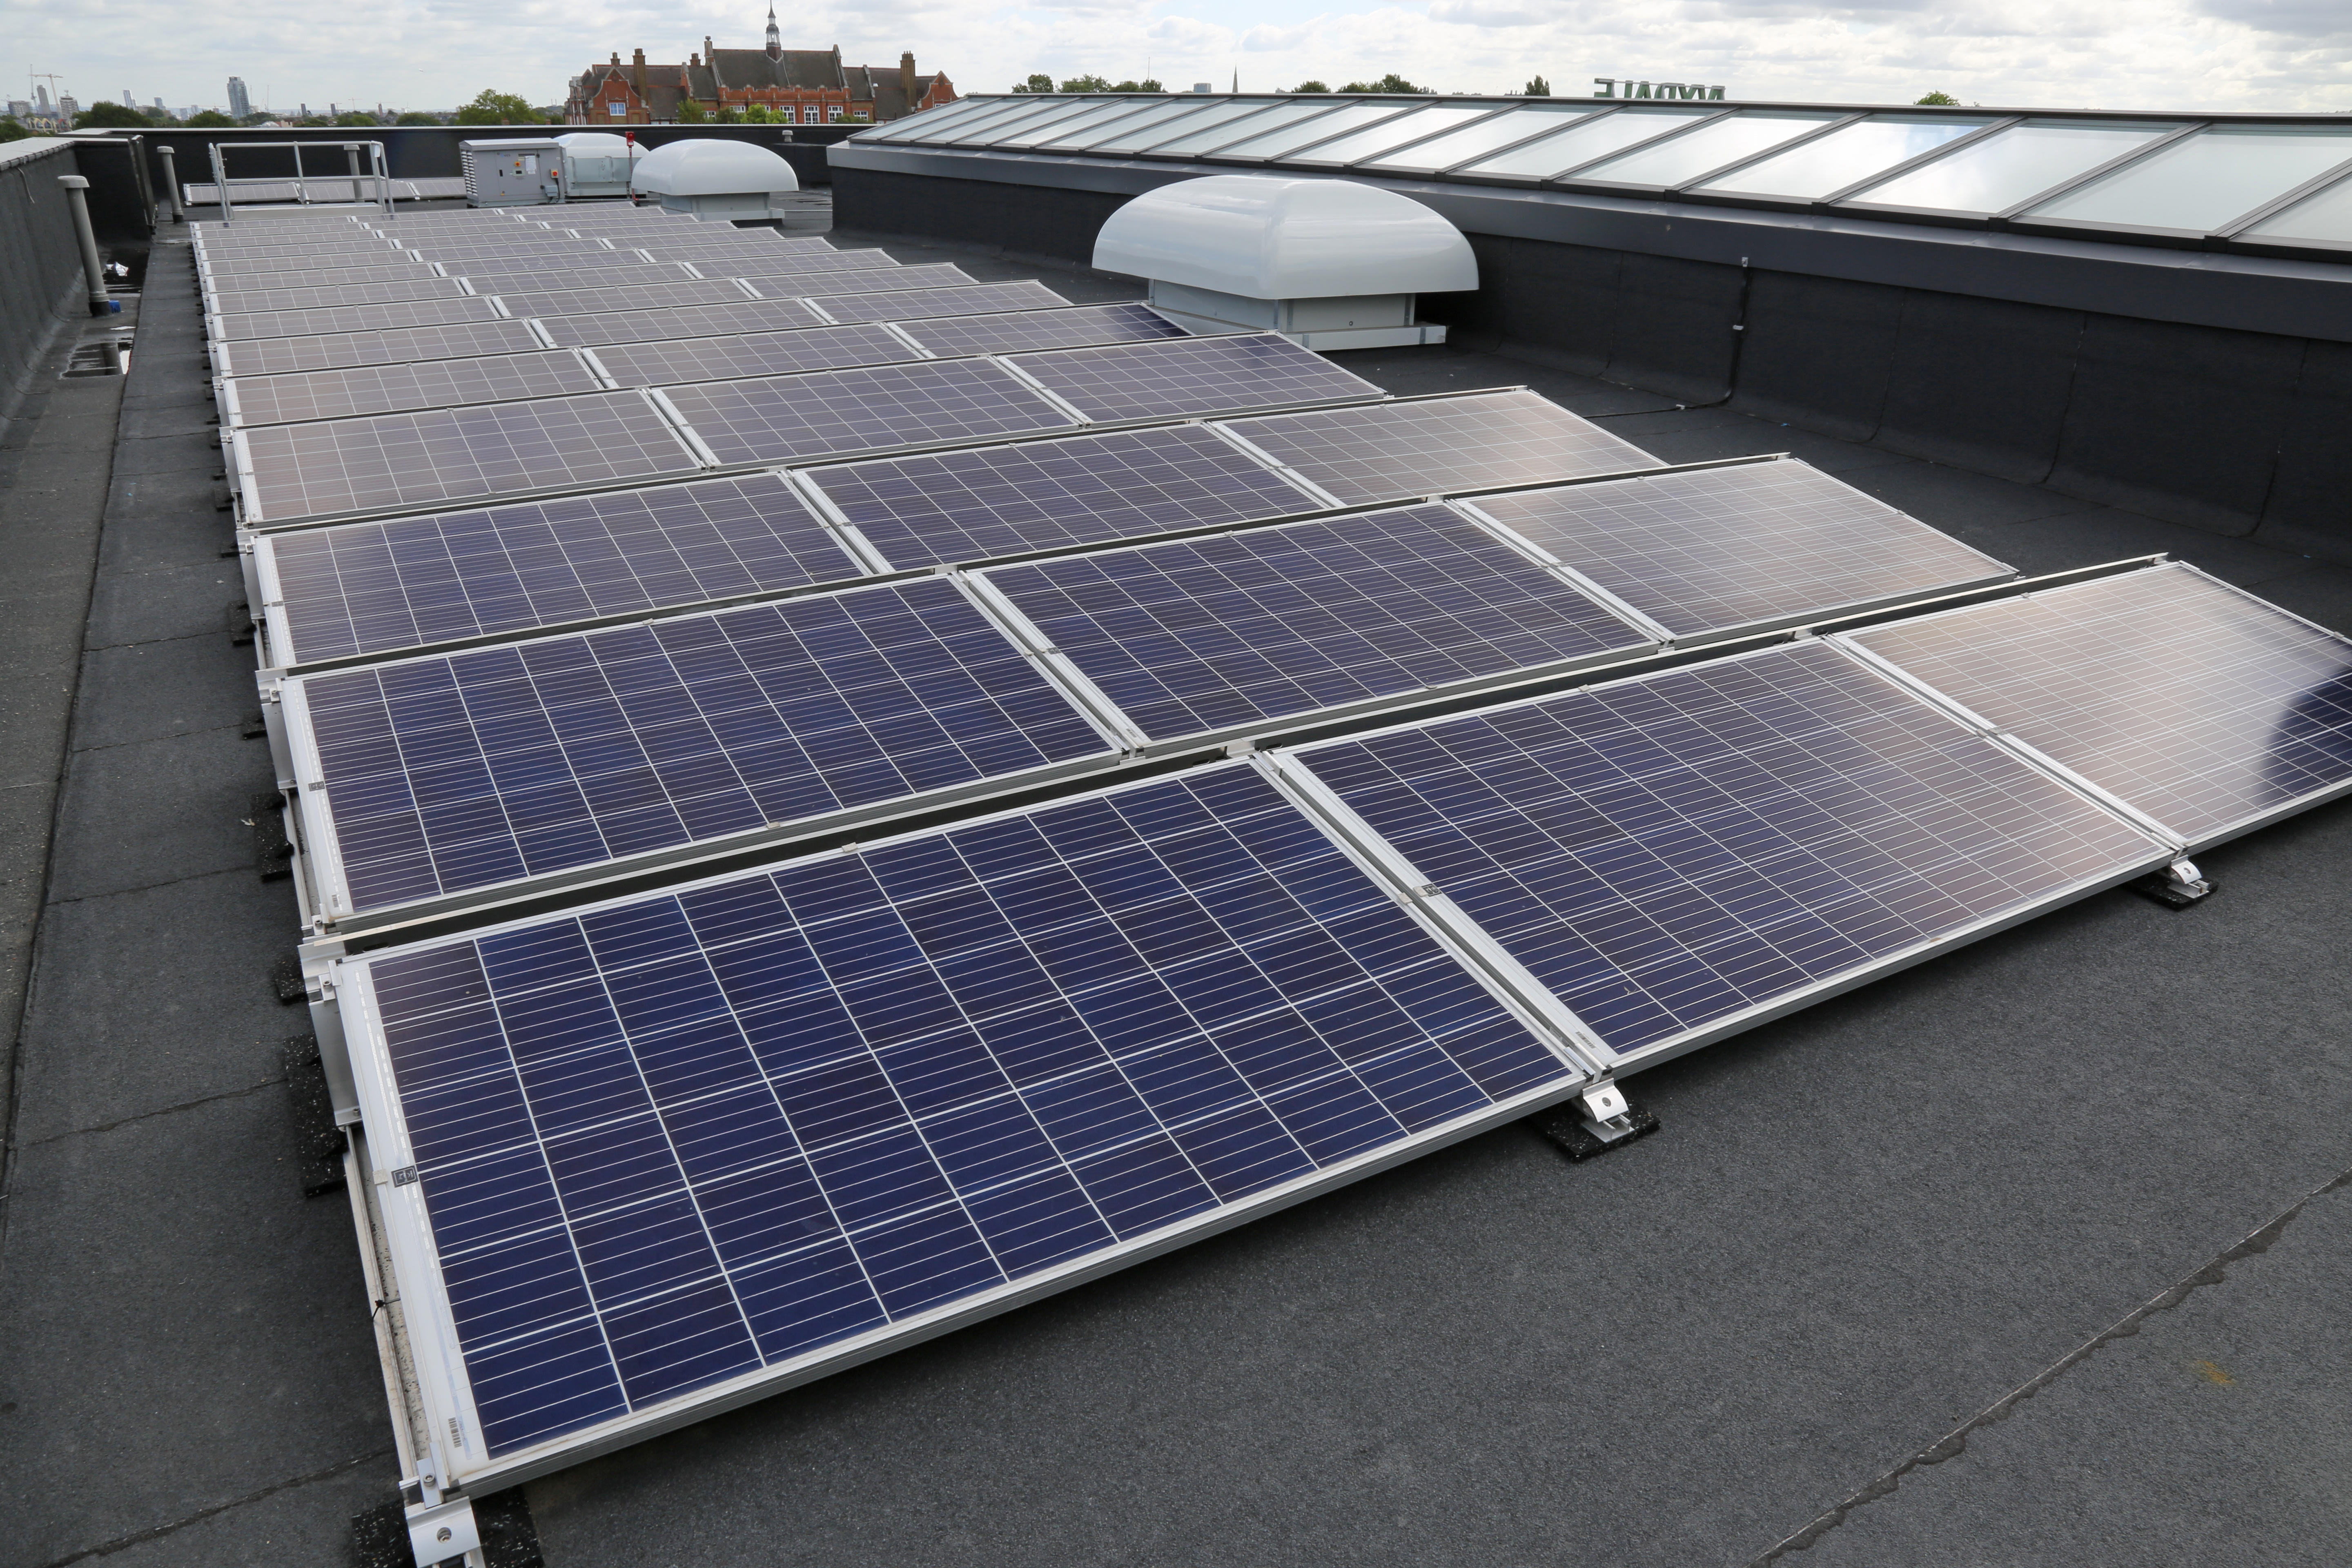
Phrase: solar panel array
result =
(253, 300)
(449, 774)
(736, 1128)
(2200, 705)
(432, 383)
(354, 318)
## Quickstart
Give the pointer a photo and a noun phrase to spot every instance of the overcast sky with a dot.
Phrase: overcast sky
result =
(2110, 54)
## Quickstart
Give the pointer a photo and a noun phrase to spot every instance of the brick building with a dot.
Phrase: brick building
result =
(805, 87)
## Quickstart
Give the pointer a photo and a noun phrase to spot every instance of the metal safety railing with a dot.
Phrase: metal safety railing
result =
(301, 184)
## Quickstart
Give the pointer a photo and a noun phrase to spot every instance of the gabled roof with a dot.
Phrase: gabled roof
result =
(793, 68)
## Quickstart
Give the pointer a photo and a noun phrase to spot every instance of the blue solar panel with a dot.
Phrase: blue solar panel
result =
(1231, 630)
(370, 587)
(750, 354)
(2200, 705)
(1192, 375)
(451, 773)
(682, 1138)
(1667, 853)
(917, 304)
(1047, 495)
(1042, 329)
(861, 410)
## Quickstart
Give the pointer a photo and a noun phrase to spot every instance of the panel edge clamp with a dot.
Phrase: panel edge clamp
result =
(1596, 1120)
(2177, 886)
(438, 1532)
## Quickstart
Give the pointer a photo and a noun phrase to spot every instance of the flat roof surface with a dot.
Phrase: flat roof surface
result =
(1873, 1242)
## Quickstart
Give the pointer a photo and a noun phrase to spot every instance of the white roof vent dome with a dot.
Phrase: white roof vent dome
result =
(712, 168)
(595, 144)
(1266, 238)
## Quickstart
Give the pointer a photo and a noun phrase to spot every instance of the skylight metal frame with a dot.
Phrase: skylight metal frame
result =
(1701, 191)
(1572, 180)
(1225, 153)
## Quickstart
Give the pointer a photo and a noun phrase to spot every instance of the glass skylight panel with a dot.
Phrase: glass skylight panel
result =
(1229, 121)
(354, 318)
(1192, 375)
(1137, 129)
(2007, 167)
(1274, 144)
(928, 120)
(381, 388)
(1755, 544)
(455, 455)
(915, 304)
(2201, 184)
(450, 773)
(1225, 633)
(979, 133)
(1388, 451)
(944, 507)
(1593, 136)
(1042, 329)
(1687, 850)
(461, 339)
(861, 410)
(1021, 128)
(684, 321)
(1846, 157)
(2197, 704)
(375, 587)
(1002, 111)
(782, 1111)
(1091, 122)
(1689, 156)
(1462, 145)
(2326, 216)
(1389, 134)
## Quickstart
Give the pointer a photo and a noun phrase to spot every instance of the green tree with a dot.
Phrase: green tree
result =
(492, 107)
(1038, 82)
(1146, 85)
(1537, 88)
(209, 118)
(1310, 87)
(690, 112)
(105, 115)
(10, 130)
(1941, 100)
(258, 117)
(1085, 84)
(1392, 83)
(355, 117)
(416, 117)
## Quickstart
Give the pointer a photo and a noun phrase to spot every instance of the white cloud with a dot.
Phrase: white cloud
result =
(2152, 54)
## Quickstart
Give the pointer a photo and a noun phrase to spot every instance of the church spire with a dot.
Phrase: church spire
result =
(775, 38)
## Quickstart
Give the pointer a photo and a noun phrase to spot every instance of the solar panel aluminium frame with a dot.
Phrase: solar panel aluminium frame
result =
(1408, 882)
(2121, 806)
(317, 870)
(424, 1368)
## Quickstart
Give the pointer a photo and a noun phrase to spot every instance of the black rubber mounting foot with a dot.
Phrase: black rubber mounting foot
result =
(319, 1144)
(2165, 891)
(273, 852)
(1563, 1125)
(286, 980)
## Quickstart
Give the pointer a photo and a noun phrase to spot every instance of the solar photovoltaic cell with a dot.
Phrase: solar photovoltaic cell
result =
(548, 279)
(456, 454)
(675, 1140)
(812, 264)
(369, 587)
(917, 304)
(1387, 451)
(1192, 375)
(249, 301)
(432, 383)
(1048, 495)
(1667, 853)
(460, 340)
(1723, 548)
(870, 280)
(318, 276)
(2203, 707)
(353, 319)
(754, 354)
(739, 315)
(662, 248)
(447, 774)
(1042, 329)
(511, 257)
(648, 296)
(1231, 630)
(854, 410)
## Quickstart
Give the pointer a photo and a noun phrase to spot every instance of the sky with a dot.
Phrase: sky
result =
(2246, 54)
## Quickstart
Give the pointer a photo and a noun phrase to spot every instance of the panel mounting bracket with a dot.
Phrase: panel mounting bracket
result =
(1596, 1120)
(2177, 886)
(438, 1532)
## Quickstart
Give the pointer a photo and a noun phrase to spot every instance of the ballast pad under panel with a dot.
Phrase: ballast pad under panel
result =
(456, 454)
(725, 1134)
(1721, 548)
(375, 587)
(450, 774)
(1668, 853)
(2200, 705)
(1231, 630)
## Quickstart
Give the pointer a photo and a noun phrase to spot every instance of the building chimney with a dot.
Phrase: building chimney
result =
(907, 79)
(638, 74)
